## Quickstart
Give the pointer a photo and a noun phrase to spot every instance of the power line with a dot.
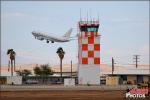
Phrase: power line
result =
(71, 68)
(112, 65)
(136, 58)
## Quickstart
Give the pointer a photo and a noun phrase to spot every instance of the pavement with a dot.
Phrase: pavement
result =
(61, 87)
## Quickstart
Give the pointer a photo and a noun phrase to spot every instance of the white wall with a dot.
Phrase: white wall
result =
(89, 74)
(69, 82)
(14, 79)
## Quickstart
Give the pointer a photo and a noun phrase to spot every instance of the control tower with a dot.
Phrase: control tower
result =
(88, 52)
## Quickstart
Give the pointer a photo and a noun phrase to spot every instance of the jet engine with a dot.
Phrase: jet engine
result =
(40, 38)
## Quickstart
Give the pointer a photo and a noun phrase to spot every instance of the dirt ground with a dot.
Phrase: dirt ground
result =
(64, 95)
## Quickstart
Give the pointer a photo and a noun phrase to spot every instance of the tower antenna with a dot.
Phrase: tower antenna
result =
(90, 15)
(87, 16)
(98, 16)
(80, 15)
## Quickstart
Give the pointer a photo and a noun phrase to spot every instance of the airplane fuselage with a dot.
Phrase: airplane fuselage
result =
(41, 36)
(53, 38)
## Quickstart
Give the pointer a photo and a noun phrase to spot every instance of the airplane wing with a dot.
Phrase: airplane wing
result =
(72, 39)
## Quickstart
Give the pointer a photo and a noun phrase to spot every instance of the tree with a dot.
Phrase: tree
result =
(12, 55)
(26, 72)
(23, 73)
(44, 71)
(37, 71)
(61, 54)
(19, 73)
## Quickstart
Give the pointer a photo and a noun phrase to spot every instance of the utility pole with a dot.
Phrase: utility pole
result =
(136, 57)
(112, 65)
(71, 68)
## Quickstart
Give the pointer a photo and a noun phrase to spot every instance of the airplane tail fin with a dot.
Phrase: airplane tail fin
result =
(68, 33)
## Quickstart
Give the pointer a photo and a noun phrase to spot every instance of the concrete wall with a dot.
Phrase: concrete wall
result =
(112, 80)
(89, 74)
(146, 79)
(69, 82)
(14, 80)
(132, 79)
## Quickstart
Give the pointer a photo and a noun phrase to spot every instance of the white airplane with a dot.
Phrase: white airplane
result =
(42, 36)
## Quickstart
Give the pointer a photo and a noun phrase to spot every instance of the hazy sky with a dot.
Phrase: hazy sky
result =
(124, 29)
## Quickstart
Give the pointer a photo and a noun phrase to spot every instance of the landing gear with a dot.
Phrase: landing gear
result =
(47, 41)
(52, 41)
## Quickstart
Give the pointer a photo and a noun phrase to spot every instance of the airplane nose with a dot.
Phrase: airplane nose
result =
(33, 32)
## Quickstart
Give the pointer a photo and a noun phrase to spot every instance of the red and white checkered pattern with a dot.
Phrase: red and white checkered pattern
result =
(89, 48)
(89, 53)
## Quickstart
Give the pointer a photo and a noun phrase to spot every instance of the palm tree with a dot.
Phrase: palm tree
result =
(61, 54)
(12, 55)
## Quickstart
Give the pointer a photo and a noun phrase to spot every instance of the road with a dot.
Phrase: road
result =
(61, 87)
